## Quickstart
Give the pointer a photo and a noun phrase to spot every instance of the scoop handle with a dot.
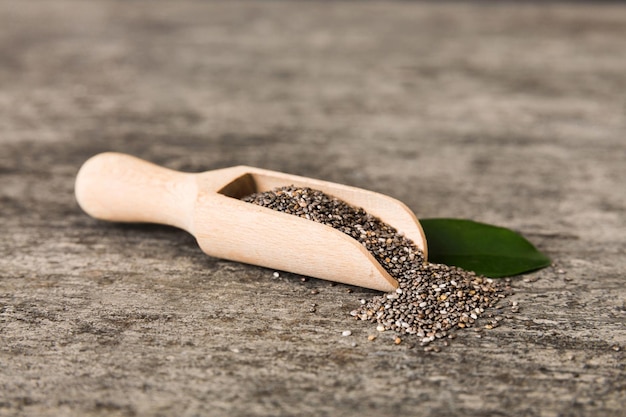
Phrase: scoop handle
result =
(121, 188)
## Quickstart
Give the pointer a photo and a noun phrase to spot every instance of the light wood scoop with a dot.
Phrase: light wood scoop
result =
(122, 188)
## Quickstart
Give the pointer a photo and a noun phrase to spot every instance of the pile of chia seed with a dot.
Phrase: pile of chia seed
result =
(432, 299)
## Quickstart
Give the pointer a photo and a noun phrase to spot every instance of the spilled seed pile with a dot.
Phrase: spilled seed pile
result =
(432, 299)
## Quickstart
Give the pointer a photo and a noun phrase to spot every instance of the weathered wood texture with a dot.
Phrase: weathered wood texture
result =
(509, 114)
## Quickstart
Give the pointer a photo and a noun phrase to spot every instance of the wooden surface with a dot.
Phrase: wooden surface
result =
(504, 113)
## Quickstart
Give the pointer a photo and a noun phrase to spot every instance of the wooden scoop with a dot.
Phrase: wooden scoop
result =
(122, 188)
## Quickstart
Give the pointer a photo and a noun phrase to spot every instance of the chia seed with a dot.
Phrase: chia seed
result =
(432, 299)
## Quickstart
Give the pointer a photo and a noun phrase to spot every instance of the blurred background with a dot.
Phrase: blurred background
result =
(441, 105)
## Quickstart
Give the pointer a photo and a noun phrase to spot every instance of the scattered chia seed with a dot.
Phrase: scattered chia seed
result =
(432, 299)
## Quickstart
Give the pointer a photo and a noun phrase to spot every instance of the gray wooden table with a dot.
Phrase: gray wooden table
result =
(508, 114)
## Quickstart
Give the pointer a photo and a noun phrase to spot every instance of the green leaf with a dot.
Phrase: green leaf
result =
(488, 250)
